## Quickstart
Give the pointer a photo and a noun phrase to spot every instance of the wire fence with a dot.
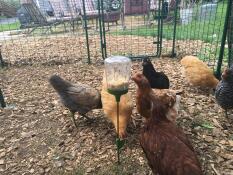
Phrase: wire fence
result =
(202, 31)
(230, 38)
(59, 31)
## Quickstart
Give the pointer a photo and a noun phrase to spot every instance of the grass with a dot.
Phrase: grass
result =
(205, 30)
(3, 17)
(8, 27)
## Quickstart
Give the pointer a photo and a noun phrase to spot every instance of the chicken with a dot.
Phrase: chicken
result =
(197, 73)
(76, 97)
(167, 148)
(166, 96)
(157, 80)
(2, 101)
(110, 109)
(188, 61)
(224, 90)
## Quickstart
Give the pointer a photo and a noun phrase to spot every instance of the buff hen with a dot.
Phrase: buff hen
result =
(197, 73)
(110, 108)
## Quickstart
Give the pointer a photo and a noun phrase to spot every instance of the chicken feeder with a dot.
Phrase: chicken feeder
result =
(117, 70)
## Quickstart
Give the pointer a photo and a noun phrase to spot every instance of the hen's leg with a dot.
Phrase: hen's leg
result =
(72, 115)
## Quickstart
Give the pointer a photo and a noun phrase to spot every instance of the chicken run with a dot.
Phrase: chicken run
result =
(58, 117)
(39, 137)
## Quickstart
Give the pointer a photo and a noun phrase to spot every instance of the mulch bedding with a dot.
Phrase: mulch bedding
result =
(37, 135)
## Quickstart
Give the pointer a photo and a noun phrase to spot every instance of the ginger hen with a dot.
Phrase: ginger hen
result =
(166, 95)
(167, 148)
(110, 107)
(77, 97)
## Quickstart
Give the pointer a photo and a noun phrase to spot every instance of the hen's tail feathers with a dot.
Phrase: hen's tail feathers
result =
(58, 83)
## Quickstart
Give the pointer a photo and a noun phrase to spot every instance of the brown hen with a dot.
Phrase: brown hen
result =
(167, 148)
(166, 96)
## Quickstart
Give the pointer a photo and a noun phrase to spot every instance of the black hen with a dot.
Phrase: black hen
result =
(224, 90)
(157, 80)
(76, 97)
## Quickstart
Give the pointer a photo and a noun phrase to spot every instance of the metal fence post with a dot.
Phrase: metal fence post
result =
(2, 102)
(86, 32)
(161, 28)
(159, 32)
(102, 29)
(230, 38)
(174, 31)
(1, 60)
(104, 33)
(223, 42)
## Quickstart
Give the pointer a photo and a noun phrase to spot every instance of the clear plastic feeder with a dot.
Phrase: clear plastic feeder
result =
(117, 70)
